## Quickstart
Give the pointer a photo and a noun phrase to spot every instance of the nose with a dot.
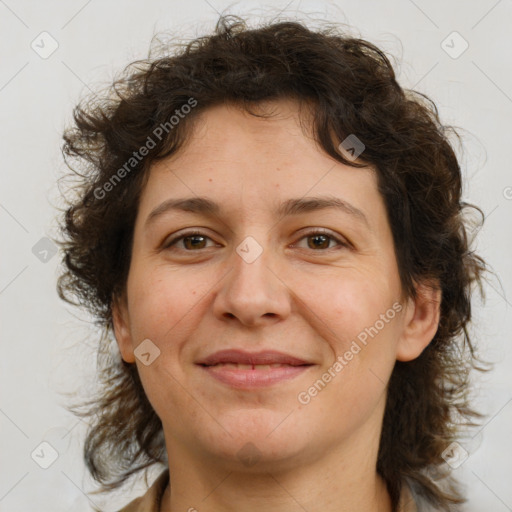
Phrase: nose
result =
(253, 292)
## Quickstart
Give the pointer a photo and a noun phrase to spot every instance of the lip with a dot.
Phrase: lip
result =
(236, 356)
(221, 366)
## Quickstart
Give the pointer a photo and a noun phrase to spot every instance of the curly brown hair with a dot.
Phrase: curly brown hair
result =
(353, 88)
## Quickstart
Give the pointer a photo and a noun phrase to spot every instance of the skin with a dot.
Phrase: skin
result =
(302, 296)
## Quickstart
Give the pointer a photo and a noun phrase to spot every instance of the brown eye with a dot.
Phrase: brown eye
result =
(320, 240)
(188, 242)
(194, 241)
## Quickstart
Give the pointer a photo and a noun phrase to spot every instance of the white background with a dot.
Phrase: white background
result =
(46, 349)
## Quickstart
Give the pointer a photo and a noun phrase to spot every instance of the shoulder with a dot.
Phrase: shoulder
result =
(407, 501)
(149, 502)
(413, 500)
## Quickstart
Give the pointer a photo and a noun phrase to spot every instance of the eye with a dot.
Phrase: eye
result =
(320, 239)
(191, 240)
(196, 240)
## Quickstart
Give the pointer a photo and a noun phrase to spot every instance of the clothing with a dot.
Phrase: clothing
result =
(407, 502)
(150, 502)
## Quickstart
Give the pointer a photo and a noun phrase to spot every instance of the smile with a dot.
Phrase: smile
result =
(247, 376)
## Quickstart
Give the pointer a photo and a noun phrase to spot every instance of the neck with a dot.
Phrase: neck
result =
(272, 494)
(326, 485)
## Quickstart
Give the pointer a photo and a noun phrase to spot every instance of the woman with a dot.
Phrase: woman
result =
(270, 231)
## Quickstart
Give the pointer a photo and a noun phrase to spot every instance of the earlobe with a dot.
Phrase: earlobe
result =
(121, 326)
(421, 320)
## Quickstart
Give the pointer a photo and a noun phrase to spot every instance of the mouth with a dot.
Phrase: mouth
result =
(243, 370)
(242, 357)
(252, 366)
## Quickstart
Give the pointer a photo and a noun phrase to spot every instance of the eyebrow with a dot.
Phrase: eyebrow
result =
(290, 207)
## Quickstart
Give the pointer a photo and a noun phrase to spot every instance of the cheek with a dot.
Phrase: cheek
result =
(161, 305)
(350, 303)
(361, 346)
(164, 309)
(357, 318)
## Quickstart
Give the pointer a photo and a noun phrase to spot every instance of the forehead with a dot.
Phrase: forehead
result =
(259, 162)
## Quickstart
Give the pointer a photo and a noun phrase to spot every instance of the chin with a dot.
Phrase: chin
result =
(258, 442)
(262, 456)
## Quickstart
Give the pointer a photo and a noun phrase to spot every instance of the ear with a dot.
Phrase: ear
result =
(421, 320)
(121, 322)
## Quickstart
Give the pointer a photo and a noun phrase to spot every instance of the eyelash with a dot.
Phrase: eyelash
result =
(318, 231)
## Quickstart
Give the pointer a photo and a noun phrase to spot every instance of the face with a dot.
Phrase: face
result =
(266, 268)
